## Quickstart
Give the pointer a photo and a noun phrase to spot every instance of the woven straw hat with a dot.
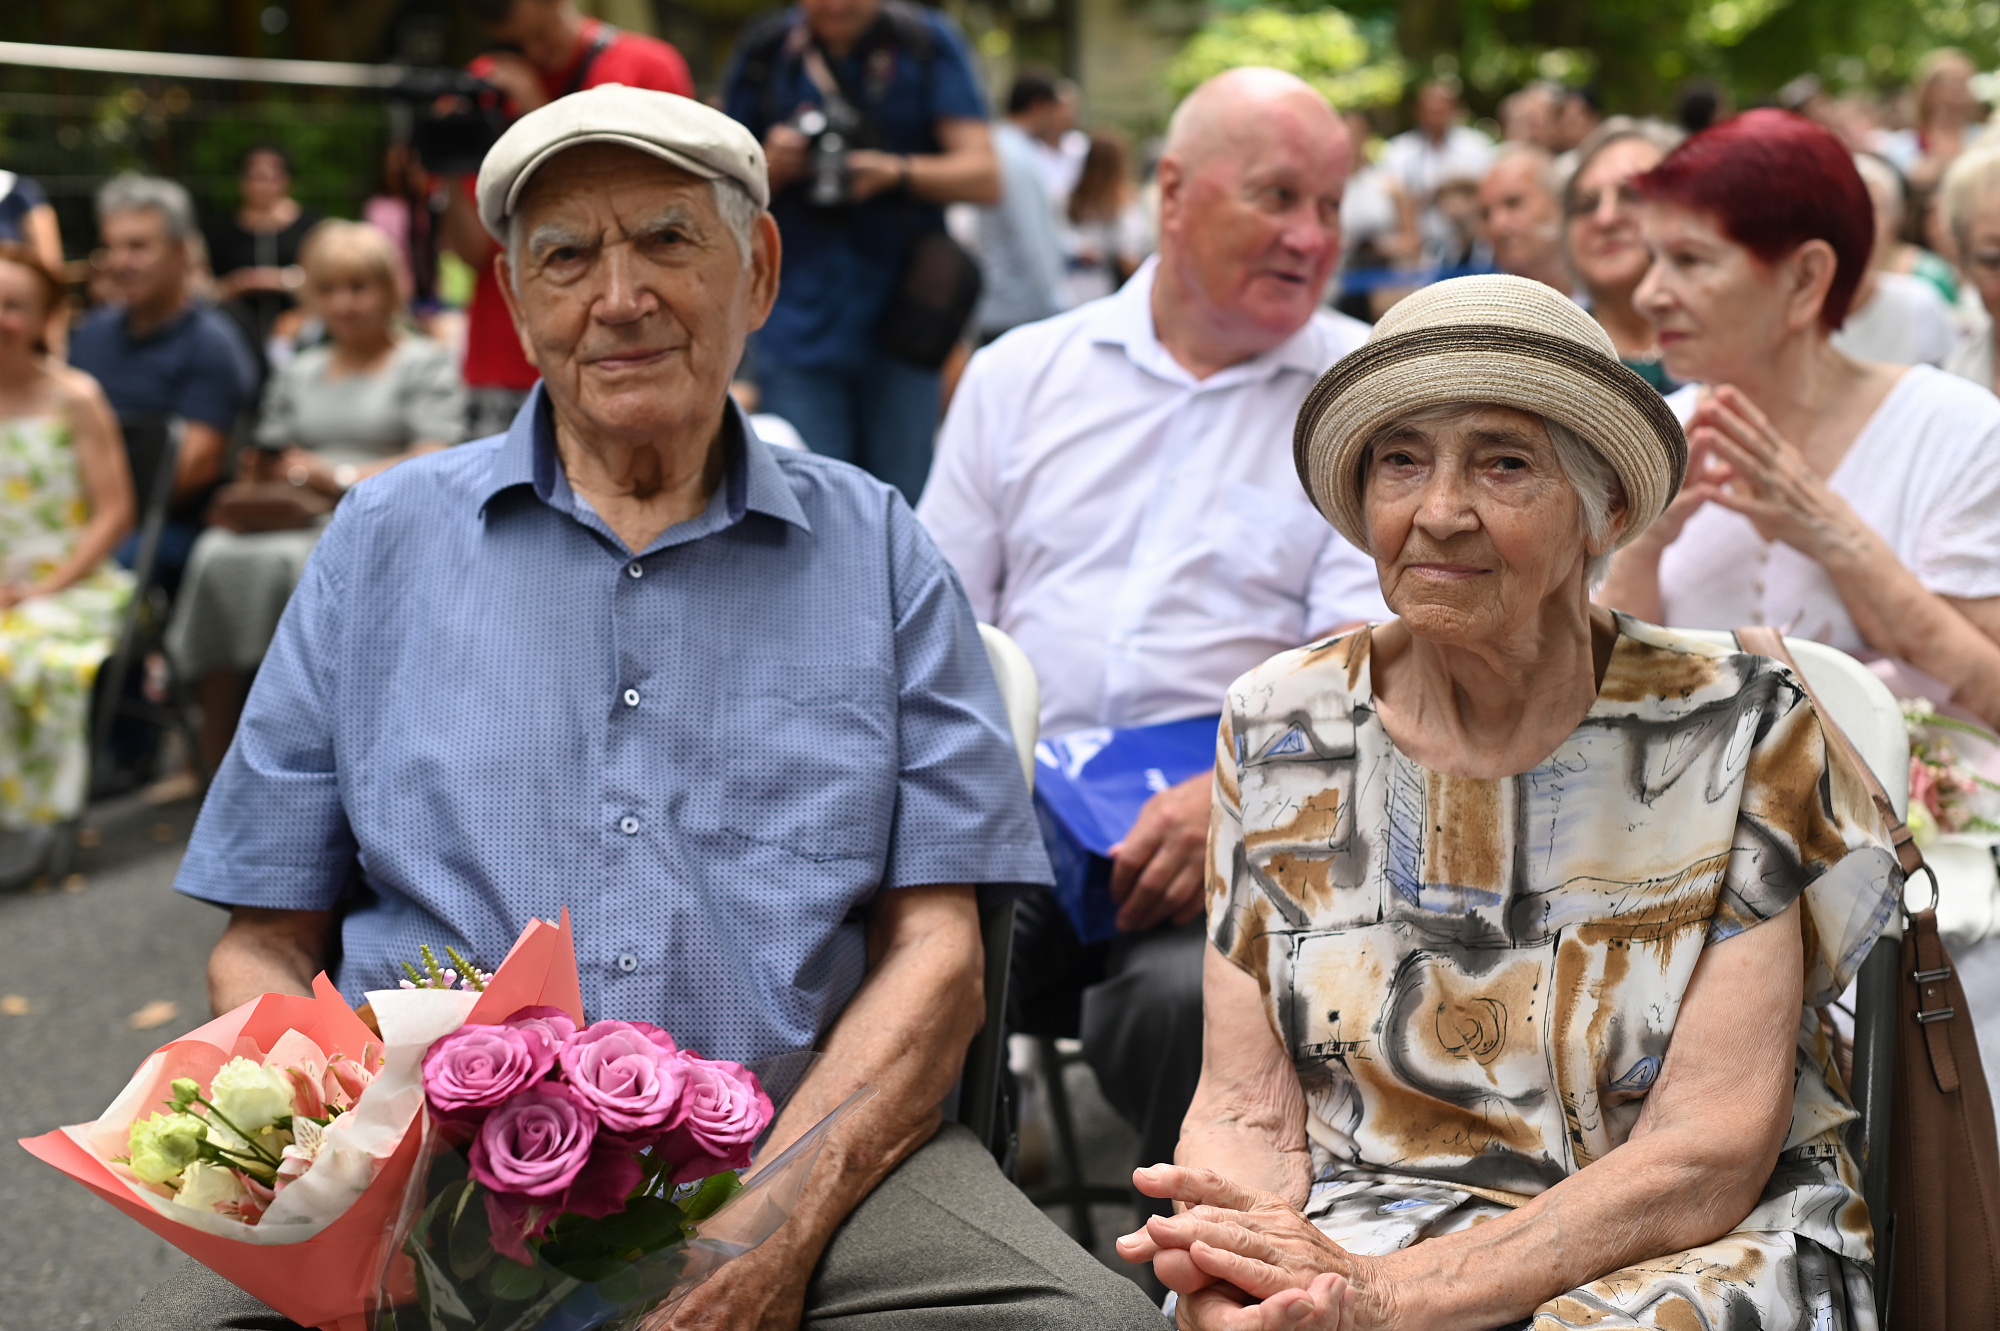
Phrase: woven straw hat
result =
(1492, 339)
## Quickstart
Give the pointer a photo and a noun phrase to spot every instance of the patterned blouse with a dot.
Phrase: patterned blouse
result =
(1478, 979)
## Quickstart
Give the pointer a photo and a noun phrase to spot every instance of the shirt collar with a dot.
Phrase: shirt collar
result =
(1125, 319)
(753, 483)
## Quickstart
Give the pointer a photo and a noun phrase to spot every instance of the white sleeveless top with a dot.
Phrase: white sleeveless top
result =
(1924, 472)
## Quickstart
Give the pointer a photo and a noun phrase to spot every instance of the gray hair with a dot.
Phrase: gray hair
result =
(1617, 129)
(1884, 182)
(130, 192)
(1547, 176)
(739, 213)
(1971, 178)
(1599, 491)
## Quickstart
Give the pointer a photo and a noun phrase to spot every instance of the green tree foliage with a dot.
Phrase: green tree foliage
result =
(1325, 48)
(1638, 52)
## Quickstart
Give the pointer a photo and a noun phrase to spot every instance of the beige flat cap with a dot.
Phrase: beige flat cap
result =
(678, 130)
(1491, 339)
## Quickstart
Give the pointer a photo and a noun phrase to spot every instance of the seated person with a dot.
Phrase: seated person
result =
(1519, 907)
(160, 351)
(255, 251)
(371, 395)
(1852, 502)
(65, 503)
(725, 702)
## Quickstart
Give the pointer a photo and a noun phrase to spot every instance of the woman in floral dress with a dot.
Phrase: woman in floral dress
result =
(65, 503)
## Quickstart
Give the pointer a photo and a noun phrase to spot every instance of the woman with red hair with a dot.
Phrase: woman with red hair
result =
(1847, 501)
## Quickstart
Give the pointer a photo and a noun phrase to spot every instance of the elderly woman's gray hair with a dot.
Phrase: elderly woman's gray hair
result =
(1661, 135)
(130, 192)
(1599, 492)
(1973, 177)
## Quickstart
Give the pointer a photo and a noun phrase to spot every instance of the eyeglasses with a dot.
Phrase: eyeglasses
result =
(1584, 203)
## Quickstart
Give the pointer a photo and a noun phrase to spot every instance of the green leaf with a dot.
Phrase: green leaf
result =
(707, 1199)
(512, 1282)
(471, 1246)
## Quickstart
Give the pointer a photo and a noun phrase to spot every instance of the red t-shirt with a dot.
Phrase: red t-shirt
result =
(493, 356)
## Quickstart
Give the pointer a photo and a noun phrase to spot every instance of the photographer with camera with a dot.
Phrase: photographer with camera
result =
(872, 120)
(544, 49)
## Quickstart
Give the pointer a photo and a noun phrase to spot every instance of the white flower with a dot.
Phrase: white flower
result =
(205, 1187)
(299, 1156)
(250, 1095)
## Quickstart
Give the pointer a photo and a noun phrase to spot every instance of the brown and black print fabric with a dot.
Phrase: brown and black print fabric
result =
(1478, 979)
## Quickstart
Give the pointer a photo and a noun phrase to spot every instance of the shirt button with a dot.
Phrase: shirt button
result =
(628, 825)
(628, 963)
(631, 697)
(633, 570)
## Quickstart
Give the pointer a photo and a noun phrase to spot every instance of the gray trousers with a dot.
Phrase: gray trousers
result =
(943, 1241)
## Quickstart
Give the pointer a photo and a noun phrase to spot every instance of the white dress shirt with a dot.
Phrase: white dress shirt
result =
(1140, 532)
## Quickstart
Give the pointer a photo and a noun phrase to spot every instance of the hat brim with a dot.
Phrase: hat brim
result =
(512, 201)
(1603, 401)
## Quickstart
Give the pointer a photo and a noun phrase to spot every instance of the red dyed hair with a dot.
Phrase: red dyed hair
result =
(1773, 181)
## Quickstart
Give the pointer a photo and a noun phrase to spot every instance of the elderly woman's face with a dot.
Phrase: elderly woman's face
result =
(1472, 523)
(1981, 259)
(1605, 246)
(634, 300)
(1714, 304)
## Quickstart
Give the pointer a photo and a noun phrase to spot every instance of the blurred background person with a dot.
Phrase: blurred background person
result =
(28, 218)
(1020, 251)
(1437, 152)
(1970, 199)
(1701, 103)
(1378, 230)
(1897, 316)
(1528, 115)
(254, 253)
(546, 49)
(1582, 111)
(1106, 232)
(1605, 246)
(1949, 117)
(1058, 144)
(65, 503)
(159, 351)
(1851, 502)
(851, 225)
(1520, 206)
(371, 395)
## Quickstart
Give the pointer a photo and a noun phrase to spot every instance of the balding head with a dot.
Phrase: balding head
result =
(1250, 186)
(1232, 108)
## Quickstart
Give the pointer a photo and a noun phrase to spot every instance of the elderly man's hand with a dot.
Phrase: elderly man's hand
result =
(1156, 871)
(763, 1290)
(1242, 1259)
(784, 155)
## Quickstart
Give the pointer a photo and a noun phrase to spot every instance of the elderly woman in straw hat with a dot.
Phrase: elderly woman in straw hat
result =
(1519, 907)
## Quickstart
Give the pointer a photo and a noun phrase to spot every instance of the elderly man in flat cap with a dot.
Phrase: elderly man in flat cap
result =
(728, 705)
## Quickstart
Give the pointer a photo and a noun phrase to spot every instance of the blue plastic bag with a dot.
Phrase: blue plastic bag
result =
(1089, 788)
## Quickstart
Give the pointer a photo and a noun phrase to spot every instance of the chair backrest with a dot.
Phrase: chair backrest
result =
(979, 1087)
(149, 440)
(1862, 706)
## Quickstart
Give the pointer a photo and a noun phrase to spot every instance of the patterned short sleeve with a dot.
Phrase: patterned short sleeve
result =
(1225, 834)
(1806, 825)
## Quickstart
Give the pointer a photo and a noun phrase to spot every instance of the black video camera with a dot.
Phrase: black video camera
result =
(830, 131)
(458, 118)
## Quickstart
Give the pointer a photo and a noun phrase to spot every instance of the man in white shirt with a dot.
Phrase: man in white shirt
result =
(1520, 202)
(1115, 487)
(1437, 151)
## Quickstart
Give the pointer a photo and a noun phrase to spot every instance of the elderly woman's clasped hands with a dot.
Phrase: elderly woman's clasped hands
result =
(1243, 1260)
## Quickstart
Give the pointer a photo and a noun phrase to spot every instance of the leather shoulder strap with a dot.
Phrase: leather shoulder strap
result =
(1933, 966)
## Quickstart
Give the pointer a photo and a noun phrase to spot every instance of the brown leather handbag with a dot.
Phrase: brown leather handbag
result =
(1941, 1270)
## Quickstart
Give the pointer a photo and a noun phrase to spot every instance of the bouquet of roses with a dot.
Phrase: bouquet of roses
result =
(1947, 793)
(292, 1149)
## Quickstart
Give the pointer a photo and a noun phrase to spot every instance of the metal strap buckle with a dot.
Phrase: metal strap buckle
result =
(1931, 977)
(1936, 1014)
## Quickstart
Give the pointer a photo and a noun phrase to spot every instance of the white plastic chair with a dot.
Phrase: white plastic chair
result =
(979, 1087)
(1872, 719)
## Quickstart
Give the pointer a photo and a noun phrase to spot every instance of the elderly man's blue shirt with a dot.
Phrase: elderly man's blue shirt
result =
(481, 708)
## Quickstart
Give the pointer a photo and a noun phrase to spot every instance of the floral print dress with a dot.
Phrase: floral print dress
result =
(50, 646)
(1477, 979)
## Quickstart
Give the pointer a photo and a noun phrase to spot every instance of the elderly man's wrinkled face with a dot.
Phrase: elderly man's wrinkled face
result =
(1472, 523)
(145, 263)
(633, 297)
(1254, 218)
(1523, 216)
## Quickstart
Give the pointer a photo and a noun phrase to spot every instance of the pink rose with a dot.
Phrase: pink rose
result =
(536, 1143)
(552, 1022)
(477, 1067)
(600, 1188)
(723, 1112)
(622, 1070)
